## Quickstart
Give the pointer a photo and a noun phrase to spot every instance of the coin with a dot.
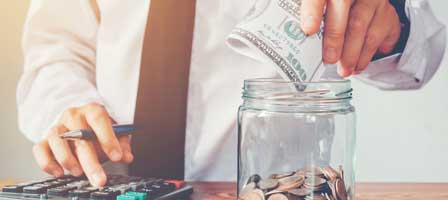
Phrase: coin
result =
(301, 172)
(273, 192)
(283, 175)
(301, 192)
(253, 195)
(278, 196)
(314, 182)
(309, 183)
(268, 184)
(341, 172)
(248, 188)
(330, 173)
(340, 189)
(290, 182)
(313, 171)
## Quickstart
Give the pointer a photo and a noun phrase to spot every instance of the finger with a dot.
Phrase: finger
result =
(378, 31)
(392, 39)
(361, 15)
(73, 119)
(311, 15)
(89, 162)
(335, 26)
(125, 143)
(62, 151)
(98, 118)
(46, 160)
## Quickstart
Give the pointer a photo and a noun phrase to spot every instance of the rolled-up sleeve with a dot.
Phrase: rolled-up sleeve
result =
(421, 58)
(59, 45)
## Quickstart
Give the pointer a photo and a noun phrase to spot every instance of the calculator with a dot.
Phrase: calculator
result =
(118, 187)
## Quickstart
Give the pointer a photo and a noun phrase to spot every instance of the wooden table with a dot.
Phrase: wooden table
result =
(365, 191)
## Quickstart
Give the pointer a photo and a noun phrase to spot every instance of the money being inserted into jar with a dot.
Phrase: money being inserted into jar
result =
(271, 32)
(311, 183)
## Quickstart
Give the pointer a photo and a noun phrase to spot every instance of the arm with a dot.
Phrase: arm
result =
(57, 91)
(59, 67)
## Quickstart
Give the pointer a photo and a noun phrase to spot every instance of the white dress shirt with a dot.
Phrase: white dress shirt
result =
(82, 51)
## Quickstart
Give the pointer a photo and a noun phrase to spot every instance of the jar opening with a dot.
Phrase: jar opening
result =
(281, 90)
(284, 96)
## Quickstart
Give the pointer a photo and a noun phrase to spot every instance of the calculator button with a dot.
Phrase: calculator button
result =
(79, 193)
(103, 195)
(60, 191)
(126, 197)
(138, 195)
(34, 189)
(12, 188)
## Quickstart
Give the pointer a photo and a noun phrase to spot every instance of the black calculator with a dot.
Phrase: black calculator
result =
(118, 187)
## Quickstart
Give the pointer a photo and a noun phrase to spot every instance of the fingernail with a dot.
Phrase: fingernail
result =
(356, 72)
(343, 72)
(309, 22)
(115, 155)
(76, 171)
(97, 178)
(129, 157)
(330, 54)
(57, 173)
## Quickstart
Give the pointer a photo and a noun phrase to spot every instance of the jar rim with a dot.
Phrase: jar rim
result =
(278, 80)
(279, 91)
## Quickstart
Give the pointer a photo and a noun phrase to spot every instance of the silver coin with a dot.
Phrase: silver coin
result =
(253, 195)
(278, 196)
(268, 184)
(248, 188)
(301, 192)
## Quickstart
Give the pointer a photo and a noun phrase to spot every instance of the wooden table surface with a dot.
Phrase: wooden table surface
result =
(364, 191)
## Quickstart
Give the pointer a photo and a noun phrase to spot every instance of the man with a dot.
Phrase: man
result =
(82, 61)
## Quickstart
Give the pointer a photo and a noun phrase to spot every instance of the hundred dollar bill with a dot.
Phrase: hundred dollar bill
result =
(271, 32)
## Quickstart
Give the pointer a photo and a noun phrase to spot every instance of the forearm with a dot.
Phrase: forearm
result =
(59, 47)
(44, 94)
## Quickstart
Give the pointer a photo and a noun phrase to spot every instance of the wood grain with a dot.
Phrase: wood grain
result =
(364, 191)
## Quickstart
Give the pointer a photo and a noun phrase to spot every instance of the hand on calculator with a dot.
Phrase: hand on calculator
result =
(54, 154)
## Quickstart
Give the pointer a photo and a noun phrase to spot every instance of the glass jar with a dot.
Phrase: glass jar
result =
(296, 140)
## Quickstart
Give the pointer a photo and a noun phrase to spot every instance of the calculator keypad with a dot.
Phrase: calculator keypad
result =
(72, 188)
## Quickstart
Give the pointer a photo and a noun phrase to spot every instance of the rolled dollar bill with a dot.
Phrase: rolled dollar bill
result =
(271, 32)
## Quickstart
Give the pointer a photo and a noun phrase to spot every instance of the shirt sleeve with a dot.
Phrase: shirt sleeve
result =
(421, 57)
(59, 46)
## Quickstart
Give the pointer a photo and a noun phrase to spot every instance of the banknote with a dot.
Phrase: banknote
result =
(271, 32)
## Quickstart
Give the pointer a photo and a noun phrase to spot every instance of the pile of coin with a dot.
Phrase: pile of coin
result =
(310, 183)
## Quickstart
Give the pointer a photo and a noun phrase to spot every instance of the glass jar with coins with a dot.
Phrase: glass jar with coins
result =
(296, 140)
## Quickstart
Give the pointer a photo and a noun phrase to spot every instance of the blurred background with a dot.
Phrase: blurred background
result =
(402, 136)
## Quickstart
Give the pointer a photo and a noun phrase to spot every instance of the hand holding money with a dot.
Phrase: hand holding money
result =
(355, 30)
(292, 36)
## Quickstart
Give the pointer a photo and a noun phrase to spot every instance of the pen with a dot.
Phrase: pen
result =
(120, 130)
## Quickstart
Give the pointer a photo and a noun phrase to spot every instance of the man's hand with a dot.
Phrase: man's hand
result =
(54, 154)
(355, 30)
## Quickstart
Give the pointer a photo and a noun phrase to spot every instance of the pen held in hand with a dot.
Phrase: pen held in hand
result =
(119, 130)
